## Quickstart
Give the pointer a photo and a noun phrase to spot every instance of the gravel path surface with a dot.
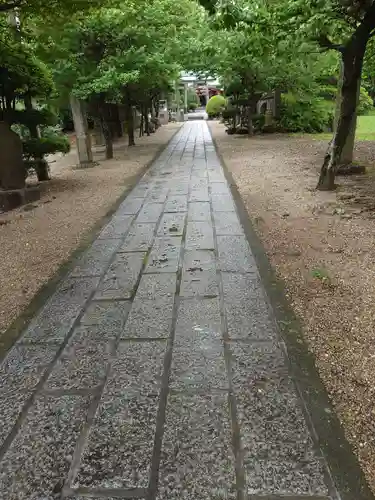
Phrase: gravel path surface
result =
(322, 246)
(35, 240)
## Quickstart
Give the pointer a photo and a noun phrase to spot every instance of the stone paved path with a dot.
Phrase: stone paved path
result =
(155, 371)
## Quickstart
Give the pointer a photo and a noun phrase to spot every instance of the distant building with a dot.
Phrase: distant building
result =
(205, 86)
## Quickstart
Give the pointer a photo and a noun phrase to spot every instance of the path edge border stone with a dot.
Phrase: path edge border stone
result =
(347, 476)
(10, 336)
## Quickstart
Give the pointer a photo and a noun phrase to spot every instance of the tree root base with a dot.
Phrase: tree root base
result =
(326, 187)
(351, 169)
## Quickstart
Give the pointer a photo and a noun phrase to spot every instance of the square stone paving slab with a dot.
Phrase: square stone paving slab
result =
(197, 460)
(222, 203)
(198, 353)
(200, 194)
(157, 195)
(235, 255)
(130, 206)
(25, 365)
(179, 188)
(165, 255)
(150, 319)
(200, 236)
(199, 274)
(37, 463)
(279, 456)
(176, 203)
(216, 176)
(84, 362)
(137, 367)
(117, 227)
(57, 317)
(172, 224)
(255, 363)
(153, 286)
(120, 443)
(227, 223)
(198, 183)
(121, 277)
(107, 317)
(199, 211)
(286, 480)
(96, 259)
(220, 188)
(11, 404)
(150, 212)
(247, 312)
(139, 238)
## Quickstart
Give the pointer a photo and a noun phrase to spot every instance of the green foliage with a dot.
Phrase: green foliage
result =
(32, 118)
(51, 8)
(129, 52)
(215, 105)
(365, 104)
(52, 141)
(21, 72)
(305, 113)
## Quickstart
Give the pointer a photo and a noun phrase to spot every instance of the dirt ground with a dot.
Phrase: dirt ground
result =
(37, 238)
(322, 246)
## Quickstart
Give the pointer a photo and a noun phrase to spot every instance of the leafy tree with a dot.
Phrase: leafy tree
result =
(125, 54)
(24, 77)
(345, 26)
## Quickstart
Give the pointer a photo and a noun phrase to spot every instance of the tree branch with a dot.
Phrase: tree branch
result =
(10, 5)
(326, 43)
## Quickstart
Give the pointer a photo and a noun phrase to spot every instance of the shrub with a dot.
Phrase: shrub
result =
(215, 106)
(304, 113)
(51, 141)
(365, 104)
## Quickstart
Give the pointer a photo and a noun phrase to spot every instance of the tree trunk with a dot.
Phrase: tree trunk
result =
(147, 124)
(130, 122)
(348, 149)
(118, 123)
(98, 133)
(108, 138)
(353, 62)
(42, 170)
(41, 166)
(250, 128)
(352, 57)
(142, 125)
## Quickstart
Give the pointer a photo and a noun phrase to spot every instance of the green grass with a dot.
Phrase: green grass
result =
(365, 130)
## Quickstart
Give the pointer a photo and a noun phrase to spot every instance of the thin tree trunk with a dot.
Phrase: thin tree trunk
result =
(147, 124)
(352, 57)
(41, 166)
(130, 123)
(353, 63)
(141, 126)
(348, 149)
(108, 138)
(250, 128)
(118, 123)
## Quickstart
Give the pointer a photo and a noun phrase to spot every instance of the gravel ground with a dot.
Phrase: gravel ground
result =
(322, 246)
(36, 239)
